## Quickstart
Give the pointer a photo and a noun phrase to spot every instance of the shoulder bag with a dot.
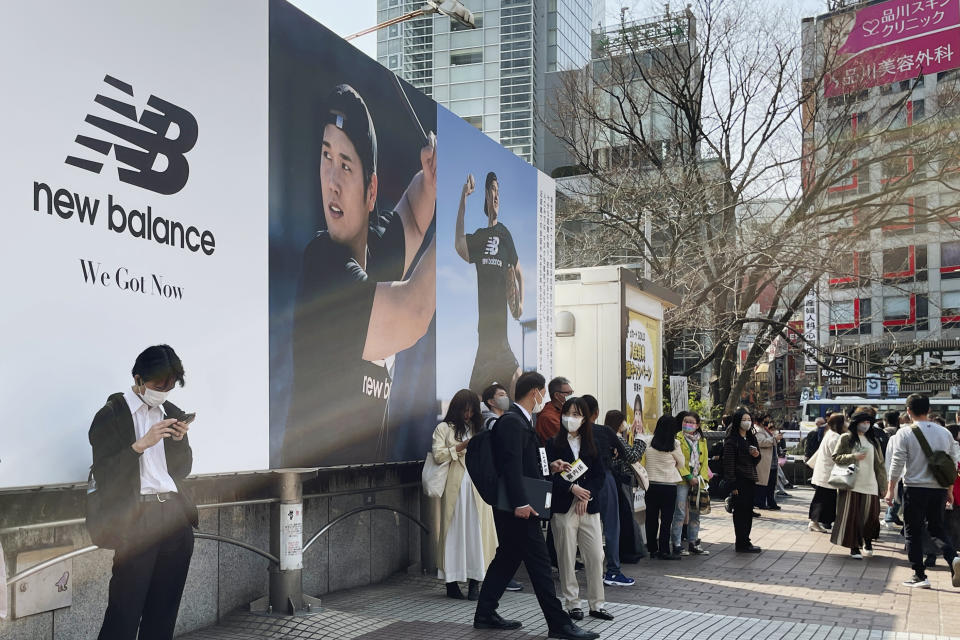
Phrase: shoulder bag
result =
(700, 501)
(942, 466)
(434, 476)
(843, 477)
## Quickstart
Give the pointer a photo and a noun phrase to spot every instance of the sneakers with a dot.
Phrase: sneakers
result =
(815, 526)
(856, 555)
(617, 579)
(868, 553)
(513, 585)
(917, 582)
(697, 550)
(955, 565)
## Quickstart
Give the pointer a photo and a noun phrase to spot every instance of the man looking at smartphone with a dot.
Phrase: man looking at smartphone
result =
(141, 455)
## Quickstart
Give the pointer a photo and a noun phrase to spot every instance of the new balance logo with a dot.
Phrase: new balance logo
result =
(493, 246)
(149, 142)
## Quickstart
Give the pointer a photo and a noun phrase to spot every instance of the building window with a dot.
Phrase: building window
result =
(850, 317)
(950, 260)
(476, 121)
(909, 114)
(905, 264)
(905, 313)
(393, 31)
(394, 62)
(902, 219)
(903, 85)
(895, 167)
(950, 308)
(459, 57)
(848, 270)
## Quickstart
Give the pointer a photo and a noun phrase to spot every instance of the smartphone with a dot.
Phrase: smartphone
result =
(188, 417)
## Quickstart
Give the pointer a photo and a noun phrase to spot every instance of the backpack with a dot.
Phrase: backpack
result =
(942, 466)
(481, 466)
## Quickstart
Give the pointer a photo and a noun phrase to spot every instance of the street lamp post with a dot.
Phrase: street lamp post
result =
(454, 9)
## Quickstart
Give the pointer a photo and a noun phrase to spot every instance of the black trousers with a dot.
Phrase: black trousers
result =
(661, 502)
(521, 541)
(924, 505)
(743, 511)
(149, 572)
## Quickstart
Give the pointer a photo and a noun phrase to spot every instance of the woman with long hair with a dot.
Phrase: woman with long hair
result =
(468, 538)
(576, 511)
(767, 441)
(741, 454)
(696, 475)
(858, 509)
(662, 461)
(632, 547)
(823, 506)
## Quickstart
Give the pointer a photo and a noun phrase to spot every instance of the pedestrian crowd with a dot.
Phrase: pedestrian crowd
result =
(621, 491)
(910, 462)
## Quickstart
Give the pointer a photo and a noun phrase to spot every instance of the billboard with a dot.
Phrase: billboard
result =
(642, 371)
(282, 227)
(892, 41)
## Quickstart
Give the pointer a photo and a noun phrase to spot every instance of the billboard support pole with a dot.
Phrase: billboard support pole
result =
(286, 597)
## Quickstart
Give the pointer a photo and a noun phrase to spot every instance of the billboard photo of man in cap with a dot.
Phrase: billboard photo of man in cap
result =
(367, 291)
(499, 287)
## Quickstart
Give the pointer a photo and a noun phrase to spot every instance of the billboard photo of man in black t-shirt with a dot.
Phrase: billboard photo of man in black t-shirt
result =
(358, 302)
(499, 287)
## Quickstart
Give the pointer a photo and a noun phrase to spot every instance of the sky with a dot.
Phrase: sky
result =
(345, 18)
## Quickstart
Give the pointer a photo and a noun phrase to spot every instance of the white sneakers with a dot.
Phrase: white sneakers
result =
(867, 553)
(916, 582)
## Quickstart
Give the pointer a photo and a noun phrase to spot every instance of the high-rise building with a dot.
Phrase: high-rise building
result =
(491, 76)
(890, 308)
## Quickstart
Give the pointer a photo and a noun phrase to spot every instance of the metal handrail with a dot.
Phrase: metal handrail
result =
(214, 505)
(376, 507)
(37, 568)
(239, 543)
(218, 538)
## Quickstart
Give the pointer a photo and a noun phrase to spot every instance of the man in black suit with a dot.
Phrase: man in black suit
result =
(140, 457)
(518, 454)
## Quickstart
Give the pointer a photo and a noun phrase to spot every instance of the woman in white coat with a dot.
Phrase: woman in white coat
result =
(468, 538)
(823, 506)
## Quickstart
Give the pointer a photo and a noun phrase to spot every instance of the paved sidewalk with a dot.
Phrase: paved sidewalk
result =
(800, 587)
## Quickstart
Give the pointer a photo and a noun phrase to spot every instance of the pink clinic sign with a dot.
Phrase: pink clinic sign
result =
(897, 40)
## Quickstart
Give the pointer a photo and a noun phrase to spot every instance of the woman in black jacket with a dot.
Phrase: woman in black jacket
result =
(576, 511)
(741, 453)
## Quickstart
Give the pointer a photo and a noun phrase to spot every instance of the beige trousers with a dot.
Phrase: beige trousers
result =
(569, 531)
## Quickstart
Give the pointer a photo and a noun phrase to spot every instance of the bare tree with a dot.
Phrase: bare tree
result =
(704, 149)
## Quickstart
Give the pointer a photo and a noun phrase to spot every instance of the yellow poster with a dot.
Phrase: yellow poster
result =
(643, 373)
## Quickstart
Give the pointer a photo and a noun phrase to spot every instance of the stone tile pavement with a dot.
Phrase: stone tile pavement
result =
(800, 587)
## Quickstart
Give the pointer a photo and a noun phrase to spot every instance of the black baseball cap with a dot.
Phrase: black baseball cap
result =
(346, 110)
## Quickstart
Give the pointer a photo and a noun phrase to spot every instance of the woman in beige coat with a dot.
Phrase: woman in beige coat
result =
(468, 538)
(767, 440)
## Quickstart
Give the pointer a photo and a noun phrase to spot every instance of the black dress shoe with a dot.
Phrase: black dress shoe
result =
(494, 621)
(775, 507)
(751, 549)
(453, 591)
(756, 514)
(572, 632)
(473, 592)
(603, 614)
(576, 614)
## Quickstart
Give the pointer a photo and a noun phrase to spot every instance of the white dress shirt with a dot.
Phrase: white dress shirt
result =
(154, 477)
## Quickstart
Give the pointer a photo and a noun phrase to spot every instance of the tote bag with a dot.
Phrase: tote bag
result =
(434, 476)
(843, 478)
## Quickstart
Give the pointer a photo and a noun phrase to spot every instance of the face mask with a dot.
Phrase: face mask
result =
(502, 403)
(689, 429)
(745, 424)
(863, 427)
(152, 397)
(572, 423)
(538, 407)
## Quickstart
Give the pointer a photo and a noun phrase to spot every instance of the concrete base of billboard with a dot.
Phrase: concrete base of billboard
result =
(358, 551)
